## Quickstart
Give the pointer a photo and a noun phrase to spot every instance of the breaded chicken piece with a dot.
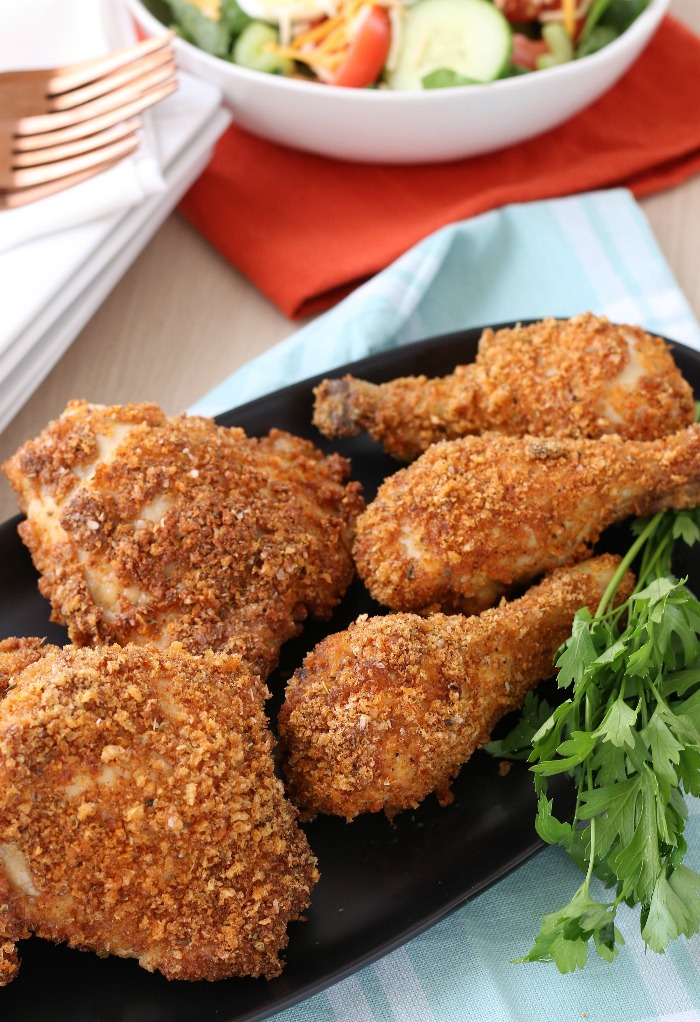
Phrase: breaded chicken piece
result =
(474, 516)
(579, 377)
(15, 655)
(153, 529)
(140, 815)
(384, 713)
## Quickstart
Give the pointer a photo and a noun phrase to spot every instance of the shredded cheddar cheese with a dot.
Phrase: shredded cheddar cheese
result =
(569, 13)
(568, 9)
(323, 46)
(209, 8)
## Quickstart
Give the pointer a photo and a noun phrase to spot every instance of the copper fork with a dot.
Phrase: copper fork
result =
(28, 93)
(87, 121)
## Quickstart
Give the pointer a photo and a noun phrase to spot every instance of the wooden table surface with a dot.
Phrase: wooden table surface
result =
(181, 319)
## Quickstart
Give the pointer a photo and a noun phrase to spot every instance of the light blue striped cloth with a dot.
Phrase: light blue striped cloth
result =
(559, 257)
(591, 252)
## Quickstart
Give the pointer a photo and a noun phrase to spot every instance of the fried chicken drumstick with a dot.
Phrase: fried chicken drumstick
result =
(474, 516)
(580, 377)
(153, 529)
(140, 814)
(384, 713)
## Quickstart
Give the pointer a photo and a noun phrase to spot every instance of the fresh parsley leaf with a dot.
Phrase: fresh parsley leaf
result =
(628, 734)
(614, 808)
(674, 909)
(618, 724)
(665, 749)
(578, 652)
(518, 743)
(550, 829)
(564, 935)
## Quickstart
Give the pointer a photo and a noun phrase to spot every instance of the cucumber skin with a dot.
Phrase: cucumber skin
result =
(249, 50)
(427, 19)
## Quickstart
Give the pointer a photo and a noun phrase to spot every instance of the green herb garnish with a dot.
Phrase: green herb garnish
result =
(629, 735)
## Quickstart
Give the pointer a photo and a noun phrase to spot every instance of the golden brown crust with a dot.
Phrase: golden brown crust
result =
(472, 517)
(15, 655)
(579, 377)
(140, 814)
(153, 529)
(9, 960)
(389, 710)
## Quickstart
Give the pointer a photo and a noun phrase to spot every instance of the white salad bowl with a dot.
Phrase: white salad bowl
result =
(383, 126)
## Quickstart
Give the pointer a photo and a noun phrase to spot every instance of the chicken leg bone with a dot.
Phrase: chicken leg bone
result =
(387, 711)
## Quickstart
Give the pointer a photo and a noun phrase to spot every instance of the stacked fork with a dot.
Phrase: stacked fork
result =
(61, 126)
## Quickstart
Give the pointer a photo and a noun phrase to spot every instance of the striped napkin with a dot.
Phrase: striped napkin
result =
(592, 252)
(558, 257)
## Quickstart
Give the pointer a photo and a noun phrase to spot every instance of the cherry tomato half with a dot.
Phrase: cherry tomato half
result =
(368, 51)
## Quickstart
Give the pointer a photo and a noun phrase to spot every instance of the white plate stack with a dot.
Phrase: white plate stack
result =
(60, 257)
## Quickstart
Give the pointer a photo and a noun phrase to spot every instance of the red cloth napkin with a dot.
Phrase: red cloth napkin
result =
(307, 229)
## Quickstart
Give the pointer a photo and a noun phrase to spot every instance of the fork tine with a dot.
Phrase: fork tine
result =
(14, 199)
(112, 81)
(51, 154)
(116, 100)
(75, 75)
(26, 93)
(25, 143)
(29, 176)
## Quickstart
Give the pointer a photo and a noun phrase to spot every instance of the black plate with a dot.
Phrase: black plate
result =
(380, 884)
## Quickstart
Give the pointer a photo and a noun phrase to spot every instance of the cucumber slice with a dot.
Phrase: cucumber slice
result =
(470, 37)
(254, 49)
(561, 49)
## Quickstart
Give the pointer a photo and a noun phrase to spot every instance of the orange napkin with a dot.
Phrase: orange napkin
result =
(307, 229)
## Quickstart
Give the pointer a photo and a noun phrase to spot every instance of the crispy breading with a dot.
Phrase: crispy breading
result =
(579, 377)
(140, 814)
(472, 517)
(388, 711)
(153, 529)
(15, 655)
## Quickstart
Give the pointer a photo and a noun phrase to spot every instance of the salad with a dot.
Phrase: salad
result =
(402, 44)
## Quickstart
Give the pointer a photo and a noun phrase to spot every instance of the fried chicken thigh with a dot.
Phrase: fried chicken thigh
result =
(140, 814)
(153, 529)
(15, 655)
(474, 516)
(384, 713)
(580, 377)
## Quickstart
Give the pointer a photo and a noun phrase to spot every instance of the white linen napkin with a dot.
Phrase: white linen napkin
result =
(43, 33)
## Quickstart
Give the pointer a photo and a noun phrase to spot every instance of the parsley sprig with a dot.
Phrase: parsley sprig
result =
(629, 735)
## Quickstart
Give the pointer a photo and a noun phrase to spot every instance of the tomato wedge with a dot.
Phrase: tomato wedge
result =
(368, 51)
(520, 11)
(526, 50)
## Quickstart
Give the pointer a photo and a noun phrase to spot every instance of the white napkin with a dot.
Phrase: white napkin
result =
(43, 33)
